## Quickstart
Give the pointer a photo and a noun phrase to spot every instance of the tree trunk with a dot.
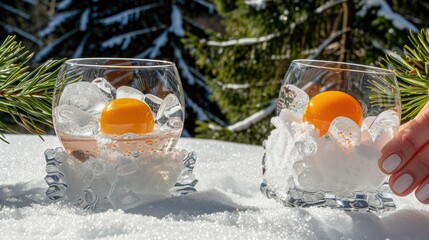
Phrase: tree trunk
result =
(346, 40)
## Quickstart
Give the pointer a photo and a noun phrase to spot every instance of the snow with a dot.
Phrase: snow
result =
(386, 12)
(129, 15)
(176, 21)
(328, 5)
(10, 29)
(183, 66)
(84, 20)
(254, 118)
(50, 46)
(257, 4)
(56, 21)
(232, 86)
(324, 44)
(15, 11)
(33, 2)
(228, 204)
(64, 4)
(201, 114)
(125, 39)
(157, 44)
(244, 41)
(393, 54)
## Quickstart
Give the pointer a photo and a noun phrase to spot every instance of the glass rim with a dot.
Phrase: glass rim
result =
(355, 67)
(81, 63)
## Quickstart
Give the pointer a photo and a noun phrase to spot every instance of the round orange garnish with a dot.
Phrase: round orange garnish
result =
(323, 108)
(126, 115)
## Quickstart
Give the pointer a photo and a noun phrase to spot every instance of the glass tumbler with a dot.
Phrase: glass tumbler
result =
(332, 120)
(118, 120)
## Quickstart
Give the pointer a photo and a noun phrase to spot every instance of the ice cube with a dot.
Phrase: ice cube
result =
(74, 121)
(87, 178)
(100, 186)
(89, 196)
(98, 168)
(106, 88)
(123, 197)
(345, 131)
(55, 177)
(51, 167)
(292, 98)
(288, 116)
(154, 103)
(365, 134)
(367, 122)
(129, 92)
(126, 167)
(174, 123)
(102, 205)
(170, 108)
(386, 122)
(56, 191)
(311, 179)
(170, 114)
(85, 96)
(301, 166)
(306, 147)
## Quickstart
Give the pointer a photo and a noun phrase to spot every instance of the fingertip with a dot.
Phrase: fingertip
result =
(401, 185)
(422, 193)
(389, 164)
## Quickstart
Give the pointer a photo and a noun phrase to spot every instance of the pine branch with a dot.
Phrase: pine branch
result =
(26, 96)
(412, 71)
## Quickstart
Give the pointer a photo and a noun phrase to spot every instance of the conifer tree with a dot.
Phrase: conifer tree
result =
(246, 64)
(21, 18)
(140, 29)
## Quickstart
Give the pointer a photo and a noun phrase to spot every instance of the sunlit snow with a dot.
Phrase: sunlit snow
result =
(228, 204)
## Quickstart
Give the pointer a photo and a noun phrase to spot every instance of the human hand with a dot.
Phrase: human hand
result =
(406, 158)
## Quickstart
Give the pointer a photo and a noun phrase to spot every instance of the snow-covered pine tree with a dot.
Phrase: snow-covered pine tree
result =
(21, 18)
(141, 29)
(246, 63)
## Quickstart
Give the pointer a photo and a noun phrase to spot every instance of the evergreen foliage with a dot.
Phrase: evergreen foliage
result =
(140, 29)
(25, 95)
(237, 52)
(22, 18)
(246, 64)
(412, 71)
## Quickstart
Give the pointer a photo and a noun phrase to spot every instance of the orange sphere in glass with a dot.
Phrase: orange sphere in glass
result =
(126, 115)
(323, 108)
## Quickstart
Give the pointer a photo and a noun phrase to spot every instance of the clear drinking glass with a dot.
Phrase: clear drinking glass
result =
(333, 119)
(86, 86)
(119, 121)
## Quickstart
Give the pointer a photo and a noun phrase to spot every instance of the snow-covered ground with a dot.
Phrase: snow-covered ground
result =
(228, 204)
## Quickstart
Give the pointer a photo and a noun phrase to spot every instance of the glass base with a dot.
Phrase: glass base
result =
(119, 183)
(378, 202)
(375, 202)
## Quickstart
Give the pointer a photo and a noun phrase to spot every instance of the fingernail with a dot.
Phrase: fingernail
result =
(423, 193)
(402, 183)
(391, 163)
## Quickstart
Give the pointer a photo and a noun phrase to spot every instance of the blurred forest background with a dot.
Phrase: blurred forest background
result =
(231, 55)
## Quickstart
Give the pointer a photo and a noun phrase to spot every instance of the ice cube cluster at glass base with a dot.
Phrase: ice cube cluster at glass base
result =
(123, 184)
(336, 170)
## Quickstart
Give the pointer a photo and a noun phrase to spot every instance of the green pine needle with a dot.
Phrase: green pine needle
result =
(412, 71)
(26, 96)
